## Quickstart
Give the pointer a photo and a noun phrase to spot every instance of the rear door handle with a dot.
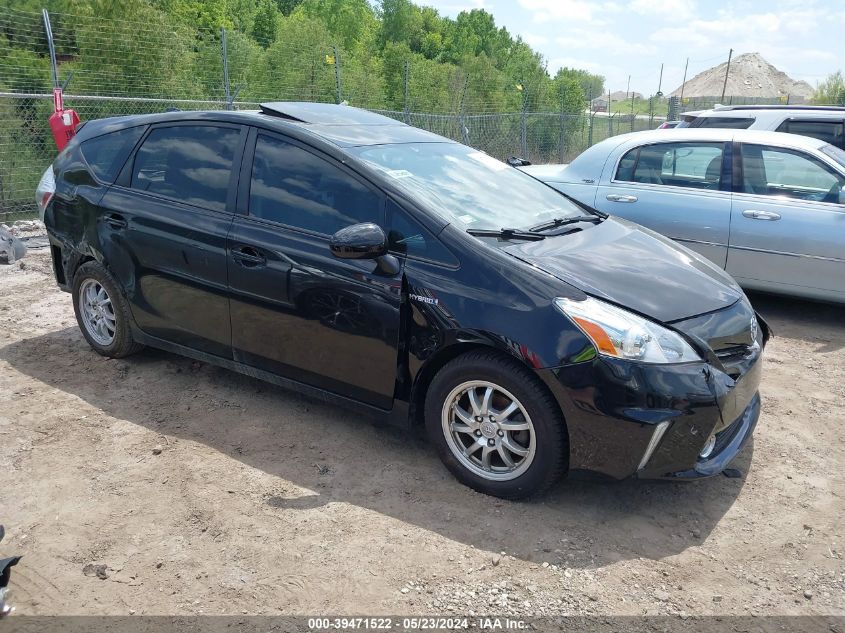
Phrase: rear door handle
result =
(615, 197)
(248, 257)
(761, 215)
(115, 221)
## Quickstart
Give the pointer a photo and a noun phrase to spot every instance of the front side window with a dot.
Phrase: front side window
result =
(697, 165)
(775, 171)
(292, 186)
(190, 163)
(832, 132)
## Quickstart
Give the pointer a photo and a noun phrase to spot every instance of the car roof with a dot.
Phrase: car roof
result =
(341, 125)
(717, 135)
(774, 113)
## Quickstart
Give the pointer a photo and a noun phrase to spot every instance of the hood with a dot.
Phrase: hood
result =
(634, 267)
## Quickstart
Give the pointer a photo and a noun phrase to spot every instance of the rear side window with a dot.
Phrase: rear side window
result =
(722, 122)
(192, 164)
(292, 186)
(831, 131)
(106, 154)
(697, 165)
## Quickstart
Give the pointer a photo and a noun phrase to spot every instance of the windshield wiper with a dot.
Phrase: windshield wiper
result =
(507, 234)
(557, 222)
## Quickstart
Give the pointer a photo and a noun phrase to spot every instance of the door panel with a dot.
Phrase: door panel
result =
(171, 260)
(296, 309)
(308, 315)
(787, 243)
(784, 235)
(675, 189)
(163, 232)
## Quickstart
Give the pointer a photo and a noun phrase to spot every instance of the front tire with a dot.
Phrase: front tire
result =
(495, 426)
(101, 311)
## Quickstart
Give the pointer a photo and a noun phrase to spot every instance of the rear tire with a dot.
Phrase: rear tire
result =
(102, 312)
(495, 426)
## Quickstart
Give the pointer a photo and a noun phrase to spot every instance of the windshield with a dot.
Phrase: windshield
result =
(468, 187)
(835, 153)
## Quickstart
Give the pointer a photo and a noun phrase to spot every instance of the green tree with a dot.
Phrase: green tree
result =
(266, 23)
(831, 91)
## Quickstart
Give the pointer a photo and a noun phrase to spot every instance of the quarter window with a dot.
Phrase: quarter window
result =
(294, 187)
(774, 171)
(832, 132)
(407, 237)
(190, 163)
(697, 165)
(106, 154)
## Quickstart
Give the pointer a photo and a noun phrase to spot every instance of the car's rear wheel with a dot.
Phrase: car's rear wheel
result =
(495, 426)
(102, 312)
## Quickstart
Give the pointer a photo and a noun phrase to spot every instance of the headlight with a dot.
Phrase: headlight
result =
(622, 334)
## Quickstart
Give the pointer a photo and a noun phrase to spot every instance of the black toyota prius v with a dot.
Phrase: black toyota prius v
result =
(363, 261)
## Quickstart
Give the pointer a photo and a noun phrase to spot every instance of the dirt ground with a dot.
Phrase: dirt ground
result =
(159, 485)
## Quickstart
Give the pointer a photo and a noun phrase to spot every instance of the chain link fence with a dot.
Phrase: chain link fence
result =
(147, 63)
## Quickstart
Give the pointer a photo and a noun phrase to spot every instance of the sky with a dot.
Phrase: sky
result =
(618, 38)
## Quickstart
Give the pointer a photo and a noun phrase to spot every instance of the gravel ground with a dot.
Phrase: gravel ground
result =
(159, 485)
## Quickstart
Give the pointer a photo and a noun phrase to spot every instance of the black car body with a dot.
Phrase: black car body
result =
(314, 298)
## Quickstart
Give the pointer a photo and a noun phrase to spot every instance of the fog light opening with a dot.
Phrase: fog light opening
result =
(708, 447)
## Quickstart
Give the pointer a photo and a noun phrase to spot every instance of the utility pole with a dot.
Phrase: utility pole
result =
(225, 53)
(628, 89)
(684, 83)
(727, 70)
(660, 82)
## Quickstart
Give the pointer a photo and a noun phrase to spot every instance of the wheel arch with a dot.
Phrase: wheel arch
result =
(446, 354)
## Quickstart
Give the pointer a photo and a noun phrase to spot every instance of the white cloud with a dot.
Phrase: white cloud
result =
(670, 9)
(568, 10)
(535, 39)
(605, 41)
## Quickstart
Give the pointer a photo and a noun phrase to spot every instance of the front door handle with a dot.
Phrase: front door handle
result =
(615, 197)
(115, 221)
(761, 215)
(248, 257)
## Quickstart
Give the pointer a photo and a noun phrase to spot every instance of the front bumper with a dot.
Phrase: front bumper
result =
(613, 408)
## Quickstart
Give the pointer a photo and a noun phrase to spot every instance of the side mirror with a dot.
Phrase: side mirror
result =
(842, 196)
(359, 241)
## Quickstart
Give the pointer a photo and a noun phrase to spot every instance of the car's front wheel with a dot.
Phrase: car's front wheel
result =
(495, 426)
(102, 312)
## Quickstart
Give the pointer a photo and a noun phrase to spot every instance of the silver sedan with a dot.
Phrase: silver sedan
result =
(767, 207)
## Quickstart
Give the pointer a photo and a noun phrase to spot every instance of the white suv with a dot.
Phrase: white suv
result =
(822, 122)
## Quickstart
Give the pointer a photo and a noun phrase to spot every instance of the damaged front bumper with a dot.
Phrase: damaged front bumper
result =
(657, 421)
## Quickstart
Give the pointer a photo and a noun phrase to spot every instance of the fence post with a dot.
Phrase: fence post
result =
(338, 85)
(461, 121)
(561, 126)
(407, 101)
(523, 125)
(225, 53)
(51, 46)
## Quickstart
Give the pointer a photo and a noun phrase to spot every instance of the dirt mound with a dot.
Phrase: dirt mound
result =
(750, 76)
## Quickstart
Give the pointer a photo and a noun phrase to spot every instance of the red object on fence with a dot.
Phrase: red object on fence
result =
(62, 122)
